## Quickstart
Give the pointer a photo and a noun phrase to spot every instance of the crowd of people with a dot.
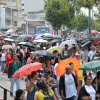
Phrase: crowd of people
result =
(45, 84)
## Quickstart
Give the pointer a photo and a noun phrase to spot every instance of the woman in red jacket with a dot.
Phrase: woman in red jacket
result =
(9, 58)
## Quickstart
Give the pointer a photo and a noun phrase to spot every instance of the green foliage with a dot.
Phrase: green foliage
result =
(87, 3)
(79, 22)
(59, 12)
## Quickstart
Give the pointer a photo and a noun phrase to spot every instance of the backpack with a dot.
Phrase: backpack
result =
(48, 97)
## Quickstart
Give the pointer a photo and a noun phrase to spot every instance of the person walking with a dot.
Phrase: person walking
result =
(44, 92)
(68, 85)
(12, 68)
(3, 59)
(87, 92)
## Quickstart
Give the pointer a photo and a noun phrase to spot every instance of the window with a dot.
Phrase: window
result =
(15, 23)
(15, 13)
(22, 4)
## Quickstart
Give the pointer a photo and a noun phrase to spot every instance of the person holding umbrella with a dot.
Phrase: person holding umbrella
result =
(12, 68)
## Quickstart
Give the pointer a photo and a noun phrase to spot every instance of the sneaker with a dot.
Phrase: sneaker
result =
(11, 94)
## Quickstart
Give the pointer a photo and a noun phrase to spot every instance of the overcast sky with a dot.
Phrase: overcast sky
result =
(33, 5)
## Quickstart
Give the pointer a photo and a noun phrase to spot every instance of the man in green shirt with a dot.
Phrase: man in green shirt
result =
(12, 68)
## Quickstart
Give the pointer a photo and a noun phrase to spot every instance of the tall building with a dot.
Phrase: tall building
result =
(9, 14)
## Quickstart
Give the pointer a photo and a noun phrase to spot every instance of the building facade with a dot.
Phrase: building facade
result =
(9, 14)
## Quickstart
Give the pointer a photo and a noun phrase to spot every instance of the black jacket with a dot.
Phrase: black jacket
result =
(62, 84)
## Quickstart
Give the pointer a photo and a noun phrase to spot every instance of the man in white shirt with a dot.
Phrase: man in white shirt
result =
(91, 53)
(68, 85)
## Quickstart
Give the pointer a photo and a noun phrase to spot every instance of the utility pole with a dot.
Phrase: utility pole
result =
(89, 21)
(11, 15)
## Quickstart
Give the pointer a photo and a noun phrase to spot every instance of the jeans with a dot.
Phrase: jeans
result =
(58, 94)
(3, 66)
(72, 98)
(13, 80)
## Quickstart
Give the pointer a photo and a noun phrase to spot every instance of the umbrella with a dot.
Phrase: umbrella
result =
(39, 36)
(33, 47)
(68, 42)
(44, 53)
(93, 65)
(94, 31)
(41, 41)
(22, 43)
(30, 35)
(1, 34)
(8, 47)
(60, 69)
(27, 69)
(14, 35)
(55, 48)
(11, 30)
(22, 37)
(54, 41)
(7, 39)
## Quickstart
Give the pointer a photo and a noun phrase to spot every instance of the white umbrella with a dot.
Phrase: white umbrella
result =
(41, 41)
(68, 42)
(7, 39)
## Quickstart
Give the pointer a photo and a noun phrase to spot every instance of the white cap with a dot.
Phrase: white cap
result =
(77, 54)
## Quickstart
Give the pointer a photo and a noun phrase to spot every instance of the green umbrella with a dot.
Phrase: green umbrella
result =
(93, 65)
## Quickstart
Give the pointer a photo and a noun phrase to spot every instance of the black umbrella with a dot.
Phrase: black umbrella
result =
(33, 47)
(86, 45)
(44, 53)
(54, 41)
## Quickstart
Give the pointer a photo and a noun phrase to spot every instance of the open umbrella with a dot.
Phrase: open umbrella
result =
(7, 39)
(44, 53)
(1, 34)
(29, 35)
(27, 69)
(11, 30)
(68, 42)
(55, 48)
(22, 37)
(41, 41)
(60, 69)
(94, 31)
(93, 65)
(54, 41)
(8, 47)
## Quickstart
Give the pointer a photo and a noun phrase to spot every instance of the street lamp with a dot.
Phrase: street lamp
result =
(11, 13)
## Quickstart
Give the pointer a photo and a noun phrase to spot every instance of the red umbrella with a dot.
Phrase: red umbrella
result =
(1, 34)
(27, 69)
(94, 31)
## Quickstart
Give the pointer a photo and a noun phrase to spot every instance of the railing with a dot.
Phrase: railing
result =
(5, 93)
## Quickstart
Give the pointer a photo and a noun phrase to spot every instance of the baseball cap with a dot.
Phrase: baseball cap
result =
(77, 54)
(47, 72)
(93, 47)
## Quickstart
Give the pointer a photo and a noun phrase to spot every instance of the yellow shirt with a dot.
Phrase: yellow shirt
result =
(80, 73)
(41, 95)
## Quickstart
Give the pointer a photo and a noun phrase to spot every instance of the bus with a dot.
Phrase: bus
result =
(43, 30)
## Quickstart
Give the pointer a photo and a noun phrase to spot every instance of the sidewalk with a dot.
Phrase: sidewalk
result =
(4, 82)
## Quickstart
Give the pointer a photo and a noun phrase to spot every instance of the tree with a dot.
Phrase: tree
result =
(59, 12)
(80, 22)
(87, 3)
